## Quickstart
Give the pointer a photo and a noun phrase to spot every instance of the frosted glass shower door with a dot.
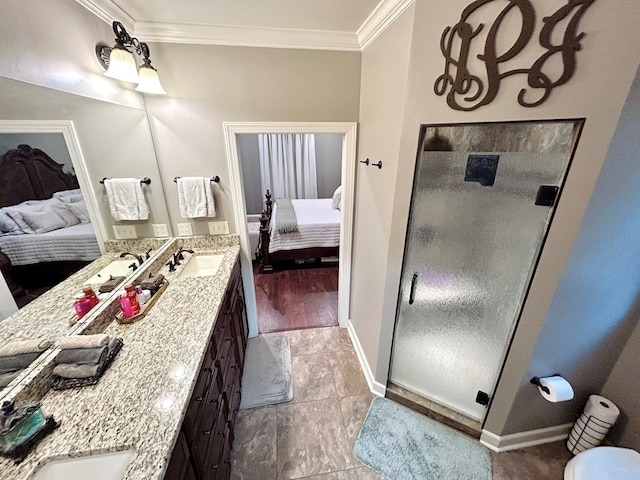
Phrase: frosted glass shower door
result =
(474, 235)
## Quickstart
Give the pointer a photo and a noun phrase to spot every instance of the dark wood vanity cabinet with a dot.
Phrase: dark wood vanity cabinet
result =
(207, 430)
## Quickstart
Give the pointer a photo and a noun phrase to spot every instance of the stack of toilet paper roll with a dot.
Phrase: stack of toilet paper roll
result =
(599, 415)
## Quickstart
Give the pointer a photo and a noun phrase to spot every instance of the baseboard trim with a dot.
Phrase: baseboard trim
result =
(530, 438)
(375, 387)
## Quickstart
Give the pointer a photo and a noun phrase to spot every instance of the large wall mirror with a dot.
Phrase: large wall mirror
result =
(68, 143)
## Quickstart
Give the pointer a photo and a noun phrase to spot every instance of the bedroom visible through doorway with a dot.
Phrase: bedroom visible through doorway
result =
(294, 230)
(348, 131)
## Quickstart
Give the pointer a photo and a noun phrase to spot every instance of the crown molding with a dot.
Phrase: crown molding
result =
(382, 16)
(108, 11)
(247, 36)
(377, 22)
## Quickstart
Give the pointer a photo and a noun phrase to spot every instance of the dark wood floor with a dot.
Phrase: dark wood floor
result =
(304, 296)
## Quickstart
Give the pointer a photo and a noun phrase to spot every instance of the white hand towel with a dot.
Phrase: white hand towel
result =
(126, 199)
(195, 197)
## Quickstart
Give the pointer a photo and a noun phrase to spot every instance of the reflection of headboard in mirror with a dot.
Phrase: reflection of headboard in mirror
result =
(30, 174)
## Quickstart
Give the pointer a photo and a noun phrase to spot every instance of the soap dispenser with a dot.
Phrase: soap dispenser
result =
(22, 425)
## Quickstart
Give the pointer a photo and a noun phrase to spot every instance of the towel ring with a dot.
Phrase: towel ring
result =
(145, 180)
(215, 179)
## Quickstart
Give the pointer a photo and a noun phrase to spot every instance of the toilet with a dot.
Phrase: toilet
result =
(604, 463)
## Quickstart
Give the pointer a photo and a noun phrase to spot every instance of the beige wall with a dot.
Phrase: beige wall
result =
(611, 45)
(209, 85)
(385, 66)
(52, 44)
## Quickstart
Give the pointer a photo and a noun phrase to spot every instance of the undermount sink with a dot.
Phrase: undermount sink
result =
(105, 466)
(117, 268)
(201, 266)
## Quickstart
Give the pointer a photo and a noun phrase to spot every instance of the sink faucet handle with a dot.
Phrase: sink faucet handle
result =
(147, 254)
(171, 265)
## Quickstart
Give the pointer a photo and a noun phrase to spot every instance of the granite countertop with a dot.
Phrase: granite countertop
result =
(141, 400)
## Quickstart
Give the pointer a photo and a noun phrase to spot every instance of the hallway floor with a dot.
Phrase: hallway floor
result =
(304, 296)
(312, 437)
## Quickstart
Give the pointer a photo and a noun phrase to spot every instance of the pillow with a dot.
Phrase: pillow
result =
(69, 196)
(67, 215)
(8, 224)
(16, 211)
(79, 209)
(43, 222)
(336, 200)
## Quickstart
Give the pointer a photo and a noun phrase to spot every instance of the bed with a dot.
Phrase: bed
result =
(45, 230)
(318, 233)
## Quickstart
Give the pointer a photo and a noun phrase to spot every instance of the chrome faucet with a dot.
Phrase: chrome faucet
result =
(177, 257)
(137, 257)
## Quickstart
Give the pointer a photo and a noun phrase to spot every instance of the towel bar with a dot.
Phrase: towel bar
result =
(215, 179)
(145, 180)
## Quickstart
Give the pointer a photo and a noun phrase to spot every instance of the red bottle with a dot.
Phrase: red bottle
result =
(133, 299)
(91, 295)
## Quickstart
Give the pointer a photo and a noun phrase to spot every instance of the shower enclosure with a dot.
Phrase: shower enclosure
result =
(483, 199)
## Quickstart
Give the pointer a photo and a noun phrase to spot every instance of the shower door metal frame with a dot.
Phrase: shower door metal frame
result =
(579, 123)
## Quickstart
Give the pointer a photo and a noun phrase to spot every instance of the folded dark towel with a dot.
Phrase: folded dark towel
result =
(152, 283)
(111, 284)
(7, 378)
(84, 341)
(24, 346)
(17, 362)
(82, 356)
(74, 370)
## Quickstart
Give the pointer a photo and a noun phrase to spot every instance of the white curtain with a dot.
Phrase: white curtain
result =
(288, 165)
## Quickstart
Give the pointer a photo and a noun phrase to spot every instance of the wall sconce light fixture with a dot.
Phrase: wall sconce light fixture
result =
(120, 63)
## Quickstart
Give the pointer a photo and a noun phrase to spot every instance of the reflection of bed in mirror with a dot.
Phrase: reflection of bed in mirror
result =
(46, 234)
(318, 233)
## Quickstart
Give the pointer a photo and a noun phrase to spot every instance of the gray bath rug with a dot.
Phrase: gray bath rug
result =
(401, 444)
(267, 378)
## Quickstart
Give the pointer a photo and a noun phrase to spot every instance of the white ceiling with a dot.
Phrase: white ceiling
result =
(335, 15)
(312, 24)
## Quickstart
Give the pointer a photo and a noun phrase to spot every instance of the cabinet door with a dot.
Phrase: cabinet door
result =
(180, 467)
(194, 412)
(223, 469)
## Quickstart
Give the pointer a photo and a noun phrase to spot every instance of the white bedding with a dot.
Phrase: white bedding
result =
(77, 242)
(318, 226)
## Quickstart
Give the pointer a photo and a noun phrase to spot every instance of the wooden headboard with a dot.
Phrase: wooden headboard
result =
(30, 174)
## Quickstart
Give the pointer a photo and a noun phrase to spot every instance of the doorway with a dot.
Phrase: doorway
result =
(482, 203)
(348, 130)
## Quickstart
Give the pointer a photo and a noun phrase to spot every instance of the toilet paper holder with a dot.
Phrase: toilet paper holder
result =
(537, 383)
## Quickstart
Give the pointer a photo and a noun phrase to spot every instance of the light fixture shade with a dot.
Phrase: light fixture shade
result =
(149, 81)
(122, 66)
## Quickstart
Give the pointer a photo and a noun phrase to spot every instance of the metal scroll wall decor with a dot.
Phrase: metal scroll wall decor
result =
(467, 91)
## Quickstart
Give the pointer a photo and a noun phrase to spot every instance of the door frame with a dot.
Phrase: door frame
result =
(68, 131)
(349, 132)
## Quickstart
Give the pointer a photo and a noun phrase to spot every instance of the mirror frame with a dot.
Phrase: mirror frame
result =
(68, 131)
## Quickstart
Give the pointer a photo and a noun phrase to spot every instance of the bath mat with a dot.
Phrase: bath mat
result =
(267, 378)
(401, 444)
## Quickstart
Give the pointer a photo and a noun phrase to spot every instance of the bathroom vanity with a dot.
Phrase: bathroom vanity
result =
(172, 394)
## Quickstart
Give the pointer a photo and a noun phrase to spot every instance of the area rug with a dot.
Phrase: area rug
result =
(401, 444)
(267, 378)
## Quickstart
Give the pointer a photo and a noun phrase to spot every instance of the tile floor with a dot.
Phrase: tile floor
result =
(312, 437)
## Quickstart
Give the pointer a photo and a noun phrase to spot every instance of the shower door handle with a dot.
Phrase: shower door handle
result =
(413, 288)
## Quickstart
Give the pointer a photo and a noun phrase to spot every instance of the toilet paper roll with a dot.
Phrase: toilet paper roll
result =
(601, 408)
(559, 389)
